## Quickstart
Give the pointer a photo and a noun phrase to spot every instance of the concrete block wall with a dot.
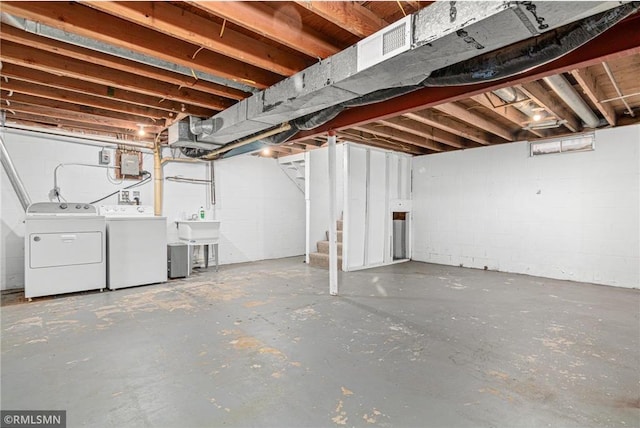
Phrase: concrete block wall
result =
(568, 216)
(262, 212)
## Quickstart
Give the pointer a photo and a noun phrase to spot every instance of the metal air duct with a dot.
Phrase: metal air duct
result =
(423, 49)
(519, 100)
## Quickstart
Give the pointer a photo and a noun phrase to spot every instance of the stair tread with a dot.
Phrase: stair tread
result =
(321, 260)
(323, 247)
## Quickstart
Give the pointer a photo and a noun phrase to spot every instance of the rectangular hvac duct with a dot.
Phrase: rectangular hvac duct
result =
(402, 54)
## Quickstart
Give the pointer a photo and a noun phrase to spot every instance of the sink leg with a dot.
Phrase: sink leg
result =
(215, 252)
(206, 256)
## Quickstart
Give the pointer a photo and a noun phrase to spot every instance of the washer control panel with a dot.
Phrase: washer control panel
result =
(61, 208)
(126, 210)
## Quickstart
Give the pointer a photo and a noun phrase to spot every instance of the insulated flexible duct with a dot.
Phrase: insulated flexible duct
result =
(529, 54)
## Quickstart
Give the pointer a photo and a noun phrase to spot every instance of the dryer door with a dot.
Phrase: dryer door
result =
(64, 249)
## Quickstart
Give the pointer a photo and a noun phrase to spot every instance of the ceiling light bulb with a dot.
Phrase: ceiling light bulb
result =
(537, 117)
(266, 151)
(141, 131)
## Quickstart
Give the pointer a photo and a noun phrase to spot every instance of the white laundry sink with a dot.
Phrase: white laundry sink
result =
(199, 231)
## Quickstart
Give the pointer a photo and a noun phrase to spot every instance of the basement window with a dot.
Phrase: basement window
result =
(582, 143)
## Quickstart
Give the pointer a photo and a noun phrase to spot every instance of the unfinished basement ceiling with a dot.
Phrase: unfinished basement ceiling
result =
(112, 68)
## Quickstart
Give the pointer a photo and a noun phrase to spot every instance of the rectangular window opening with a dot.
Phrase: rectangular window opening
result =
(581, 143)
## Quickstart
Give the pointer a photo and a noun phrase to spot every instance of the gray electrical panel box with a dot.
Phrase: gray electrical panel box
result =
(177, 260)
(104, 157)
(129, 164)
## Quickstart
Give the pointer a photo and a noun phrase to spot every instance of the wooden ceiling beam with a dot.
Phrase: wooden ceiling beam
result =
(309, 143)
(460, 112)
(373, 140)
(296, 146)
(64, 110)
(72, 117)
(587, 82)
(181, 24)
(425, 131)
(27, 88)
(543, 98)
(63, 83)
(405, 137)
(85, 21)
(43, 43)
(259, 18)
(52, 63)
(446, 123)
(351, 16)
(46, 120)
(495, 104)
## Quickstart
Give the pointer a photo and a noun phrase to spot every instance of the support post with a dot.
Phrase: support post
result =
(333, 234)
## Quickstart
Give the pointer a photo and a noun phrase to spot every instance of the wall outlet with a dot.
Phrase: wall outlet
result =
(104, 157)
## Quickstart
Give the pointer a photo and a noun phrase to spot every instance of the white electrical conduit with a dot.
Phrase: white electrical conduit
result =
(85, 139)
(565, 91)
(14, 178)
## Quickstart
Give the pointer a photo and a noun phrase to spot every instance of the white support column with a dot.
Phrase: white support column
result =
(333, 234)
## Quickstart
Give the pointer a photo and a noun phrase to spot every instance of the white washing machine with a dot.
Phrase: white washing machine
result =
(64, 249)
(136, 246)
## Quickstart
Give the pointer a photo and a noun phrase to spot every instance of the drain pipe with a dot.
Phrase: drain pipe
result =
(282, 128)
(565, 91)
(14, 178)
(157, 179)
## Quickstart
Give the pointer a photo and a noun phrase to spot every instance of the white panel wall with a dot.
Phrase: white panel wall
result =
(262, 211)
(568, 216)
(317, 174)
(377, 223)
(376, 180)
(357, 204)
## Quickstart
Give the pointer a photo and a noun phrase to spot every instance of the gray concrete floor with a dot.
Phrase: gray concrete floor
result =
(264, 345)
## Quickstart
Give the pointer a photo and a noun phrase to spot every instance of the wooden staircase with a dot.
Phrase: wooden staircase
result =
(321, 257)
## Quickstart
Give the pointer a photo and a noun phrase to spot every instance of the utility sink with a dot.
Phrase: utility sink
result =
(199, 231)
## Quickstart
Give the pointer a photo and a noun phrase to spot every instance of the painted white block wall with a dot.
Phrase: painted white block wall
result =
(262, 211)
(568, 216)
